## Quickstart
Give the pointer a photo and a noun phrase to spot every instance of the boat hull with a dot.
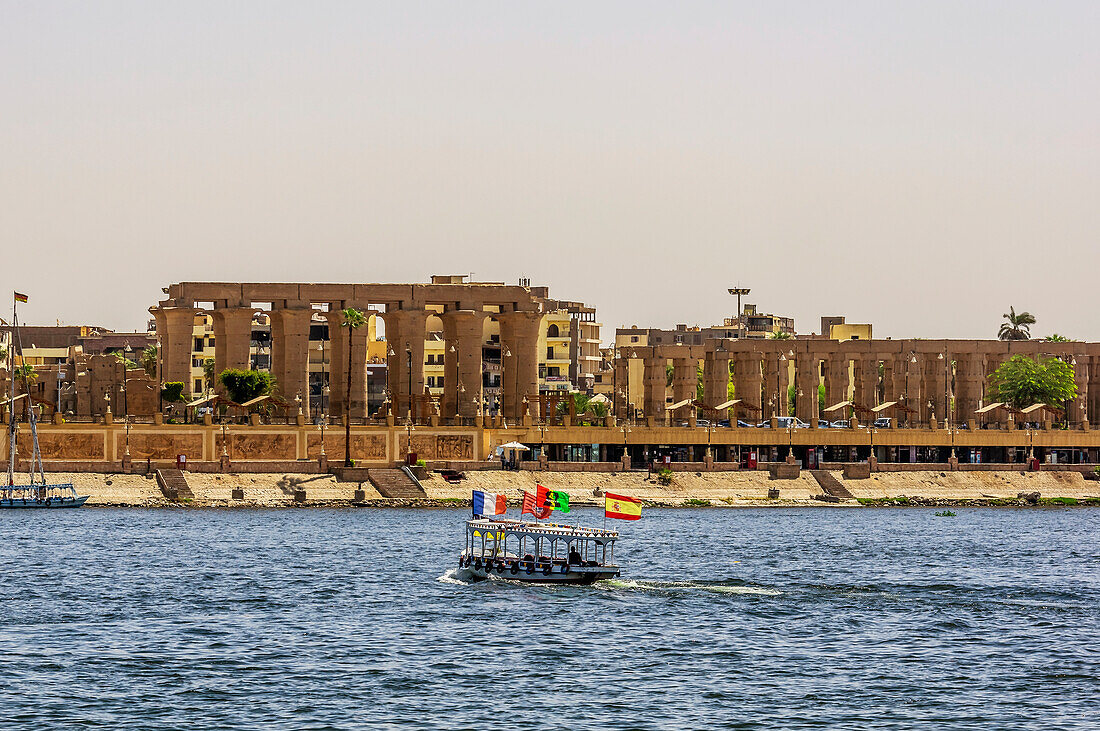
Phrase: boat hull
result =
(557, 574)
(32, 504)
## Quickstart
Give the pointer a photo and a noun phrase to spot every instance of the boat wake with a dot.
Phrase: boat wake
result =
(674, 587)
(462, 577)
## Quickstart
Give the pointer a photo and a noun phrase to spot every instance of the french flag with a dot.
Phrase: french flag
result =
(487, 503)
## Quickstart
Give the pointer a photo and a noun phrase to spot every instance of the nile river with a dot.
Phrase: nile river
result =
(724, 618)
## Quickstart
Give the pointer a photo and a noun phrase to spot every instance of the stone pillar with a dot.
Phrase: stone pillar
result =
(752, 379)
(290, 352)
(519, 335)
(784, 382)
(232, 338)
(1092, 398)
(836, 381)
(338, 378)
(685, 377)
(715, 380)
(867, 382)
(968, 388)
(806, 380)
(622, 377)
(654, 377)
(464, 331)
(405, 333)
(175, 332)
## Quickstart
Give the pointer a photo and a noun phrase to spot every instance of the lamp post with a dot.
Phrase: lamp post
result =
(298, 401)
(790, 440)
(408, 439)
(626, 449)
(107, 399)
(872, 460)
(710, 435)
(738, 291)
(324, 419)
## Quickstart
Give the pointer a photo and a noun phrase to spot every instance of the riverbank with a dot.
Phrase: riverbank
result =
(686, 489)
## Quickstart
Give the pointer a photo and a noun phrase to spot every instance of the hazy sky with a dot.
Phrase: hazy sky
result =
(919, 165)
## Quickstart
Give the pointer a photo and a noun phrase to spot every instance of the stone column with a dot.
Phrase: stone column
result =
(290, 352)
(685, 377)
(806, 380)
(771, 385)
(968, 387)
(867, 375)
(464, 331)
(175, 331)
(519, 335)
(622, 376)
(836, 383)
(752, 380)
(405, 333)
(715, 379)
(1080, 364)
(654, 377)
(232, 338)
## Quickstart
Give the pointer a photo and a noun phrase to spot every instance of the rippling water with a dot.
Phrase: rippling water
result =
(771, 618)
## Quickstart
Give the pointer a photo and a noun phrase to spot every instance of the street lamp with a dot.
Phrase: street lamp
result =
(740, 320)
(107, 398)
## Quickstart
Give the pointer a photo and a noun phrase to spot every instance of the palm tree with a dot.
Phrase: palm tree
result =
(353, 320)
(1056, 338)
(780, 335)
(27, 375)
(148, 359)
(1016, 327)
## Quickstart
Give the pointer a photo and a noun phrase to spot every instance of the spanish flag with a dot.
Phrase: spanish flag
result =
(622, 507)
(20, 297)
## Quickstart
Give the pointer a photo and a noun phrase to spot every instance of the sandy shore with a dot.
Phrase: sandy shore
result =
(716, 488)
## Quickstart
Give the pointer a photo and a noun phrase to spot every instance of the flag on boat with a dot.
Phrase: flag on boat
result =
(20, 297)
(553, 499)
(487, 503)
(621, 507)
(530, 506)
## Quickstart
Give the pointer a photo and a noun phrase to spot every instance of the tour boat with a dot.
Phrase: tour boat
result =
(36, 492)
(548, 553)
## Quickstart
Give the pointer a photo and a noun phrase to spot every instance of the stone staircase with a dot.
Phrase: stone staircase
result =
(832, 487)
(174, 485)
(397, 483)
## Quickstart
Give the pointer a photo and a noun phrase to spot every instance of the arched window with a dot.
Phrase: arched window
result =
(552, 331)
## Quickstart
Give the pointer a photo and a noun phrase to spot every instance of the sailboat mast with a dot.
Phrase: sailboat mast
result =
(11, 401)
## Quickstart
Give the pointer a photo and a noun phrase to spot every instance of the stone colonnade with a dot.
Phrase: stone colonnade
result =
(929, 379)
(404, 308)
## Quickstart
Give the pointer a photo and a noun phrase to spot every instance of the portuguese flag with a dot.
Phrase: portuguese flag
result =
(553, 499)
(622, 507)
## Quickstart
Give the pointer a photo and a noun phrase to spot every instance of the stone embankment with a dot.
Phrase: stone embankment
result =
(686, 488)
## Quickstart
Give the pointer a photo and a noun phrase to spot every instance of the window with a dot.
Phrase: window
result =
(552, 331)
(198, 344)
(198, 385)
(633, 338)
(549, 354)
(855, 337)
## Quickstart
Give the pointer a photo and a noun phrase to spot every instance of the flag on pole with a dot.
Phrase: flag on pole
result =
(487, 503)
(553, 499)
(530, 506)
(20, 297)
(621, 507)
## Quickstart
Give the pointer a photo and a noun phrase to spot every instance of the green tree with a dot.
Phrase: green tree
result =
(353, 319)
(172, 392)
(780, 335)
(1022, 381)
(242, 386)
(579, 401)
(1056, 338)
(1016, 327)
(148, 359)
(121, 358)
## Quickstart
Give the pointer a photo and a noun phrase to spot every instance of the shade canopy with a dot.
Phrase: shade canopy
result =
(679, 404)
(990, 407)
(256, 400)
(841, 405)
(514, 445)
(883, 407)
(203, 400)
(727, 404)
(1040, 407)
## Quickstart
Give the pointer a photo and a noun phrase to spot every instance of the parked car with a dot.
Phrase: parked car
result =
(745, 425)
(785, 422)
(884, 422)
(723, 423)
(824, 424)
(702, 422)
(841, 424)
